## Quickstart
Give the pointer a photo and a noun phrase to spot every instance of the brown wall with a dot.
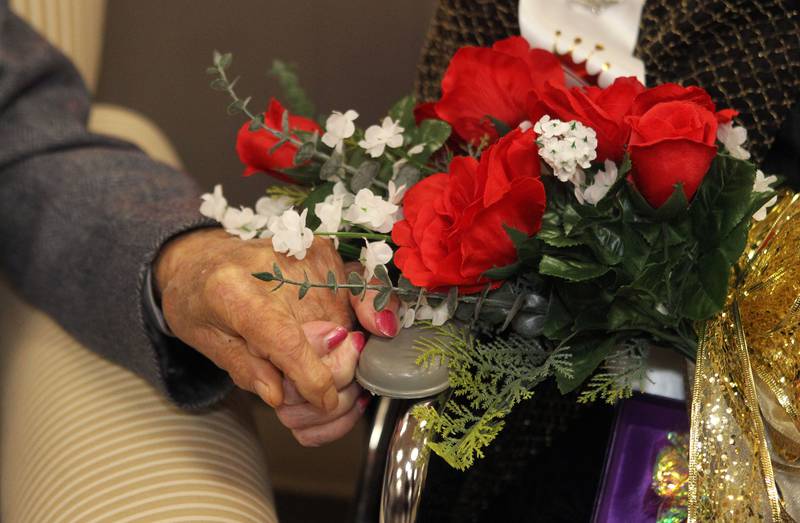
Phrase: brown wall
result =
(351, 54)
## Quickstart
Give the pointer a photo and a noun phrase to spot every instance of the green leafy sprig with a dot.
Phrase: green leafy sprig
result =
(487, 379)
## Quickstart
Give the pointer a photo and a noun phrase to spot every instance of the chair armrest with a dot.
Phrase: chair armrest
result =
(128, 125)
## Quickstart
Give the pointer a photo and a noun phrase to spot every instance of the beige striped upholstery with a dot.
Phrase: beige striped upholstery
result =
(86, 441)
(74, 26)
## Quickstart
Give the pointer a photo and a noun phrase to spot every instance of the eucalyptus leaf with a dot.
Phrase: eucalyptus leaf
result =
(277, 271)
(382, 299)
(305, 152)
(332, 168)
(332, 282)
(383, 275)
(364, 175)
(355, 279)
(256, 122)
(407, 176)
(264, 276)
(304, 288)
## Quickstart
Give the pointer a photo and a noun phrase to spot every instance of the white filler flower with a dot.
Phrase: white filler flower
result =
(733, 137)
(437, 315)
(377, 138)
(374, 254)
(602, 182)
(290, 234)
(567, 147)
(214, 204)
(339, 127)
(243, 222)
(371, 211)
(269, 206)
(764, 183)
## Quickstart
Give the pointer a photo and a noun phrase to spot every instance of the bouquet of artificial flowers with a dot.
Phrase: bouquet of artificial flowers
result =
(541, 230)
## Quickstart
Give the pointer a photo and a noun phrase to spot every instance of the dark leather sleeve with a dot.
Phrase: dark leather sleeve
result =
(82, 218)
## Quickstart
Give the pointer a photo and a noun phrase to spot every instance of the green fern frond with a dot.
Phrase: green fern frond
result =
(622, 369)
(487, 379)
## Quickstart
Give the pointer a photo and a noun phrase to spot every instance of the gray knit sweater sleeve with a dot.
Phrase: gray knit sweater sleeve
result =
(82, 218)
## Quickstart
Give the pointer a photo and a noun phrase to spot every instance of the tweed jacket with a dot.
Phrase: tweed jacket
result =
(83, 216)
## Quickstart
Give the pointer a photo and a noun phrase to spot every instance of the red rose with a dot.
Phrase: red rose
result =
(453, 228)
(672, 142)
(254, 147)
(481, 82)
(604, 110)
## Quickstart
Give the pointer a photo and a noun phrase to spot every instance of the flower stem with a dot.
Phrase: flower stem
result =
(358, 235)
(319, 155)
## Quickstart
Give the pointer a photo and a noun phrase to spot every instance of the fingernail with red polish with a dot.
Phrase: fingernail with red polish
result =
(359, 340)
(386, 321)
(363, 401)
(336, 337)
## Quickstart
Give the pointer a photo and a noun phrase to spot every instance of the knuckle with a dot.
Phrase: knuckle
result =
(289, 340)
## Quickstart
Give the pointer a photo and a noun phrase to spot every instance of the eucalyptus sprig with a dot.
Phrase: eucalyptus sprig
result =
(306, 150)
(358, 286)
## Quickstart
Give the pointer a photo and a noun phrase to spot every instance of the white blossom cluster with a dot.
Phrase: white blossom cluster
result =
(567, 147)
(763, 184)
(275, 218)
(339, 127)
(733, 138)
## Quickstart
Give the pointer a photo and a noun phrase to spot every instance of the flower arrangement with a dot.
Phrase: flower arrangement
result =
(541, 230)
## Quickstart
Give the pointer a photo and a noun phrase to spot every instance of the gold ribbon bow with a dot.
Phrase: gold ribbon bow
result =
(744, 448)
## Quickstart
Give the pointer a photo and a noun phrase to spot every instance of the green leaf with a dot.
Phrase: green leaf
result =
(277, 271)
(706, 287)
(502, 273)
(364, 176)
(382, 298)
(403, 112)
(294, 96)
(571, 269)
(500, 126)
(606, 244)
(265, 276)
(586, 356)
(722, 201)
(675, 205)
(304, 288)
(355, 278)
(528, 248)
(316, 196)
(433, 133)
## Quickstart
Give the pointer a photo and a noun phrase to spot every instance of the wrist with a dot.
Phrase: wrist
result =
(173, 253)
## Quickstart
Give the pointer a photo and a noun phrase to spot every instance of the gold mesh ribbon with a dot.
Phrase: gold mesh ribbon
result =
(742, 466)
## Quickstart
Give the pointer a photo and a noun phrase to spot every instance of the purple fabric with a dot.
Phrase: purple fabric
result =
(640, 432)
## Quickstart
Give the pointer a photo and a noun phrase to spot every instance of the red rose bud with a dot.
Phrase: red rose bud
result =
(453, 229)
(254, 147)
(483, 82)
(604, 110)
(672, 142)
